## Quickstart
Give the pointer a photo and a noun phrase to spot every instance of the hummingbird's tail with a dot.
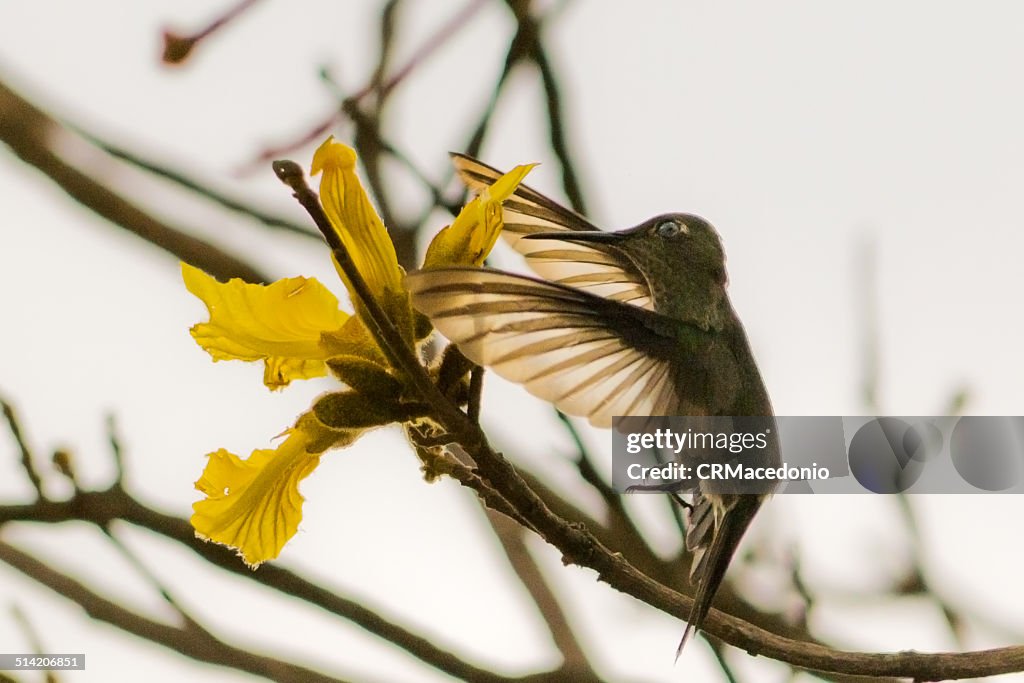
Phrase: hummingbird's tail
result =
(715, 527)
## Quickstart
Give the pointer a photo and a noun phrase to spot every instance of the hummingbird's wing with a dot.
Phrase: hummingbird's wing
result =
(591, 267)
(588, 355)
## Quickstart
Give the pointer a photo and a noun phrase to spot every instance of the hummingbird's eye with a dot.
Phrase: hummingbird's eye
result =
(670, 229)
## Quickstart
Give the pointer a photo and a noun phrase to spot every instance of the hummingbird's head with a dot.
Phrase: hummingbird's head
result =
(674, 246)
(679, 255)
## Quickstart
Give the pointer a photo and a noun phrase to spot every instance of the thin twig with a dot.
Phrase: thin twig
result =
(576, 665)
(181, 179)
(116, 451)
(32, 636)
(870, 346)
(719, 651)
(177, 47)
(151, 578)
(557, 129)
(918, 582)
(513, 56)
(26, 452)
(620, 523)
(419, 57)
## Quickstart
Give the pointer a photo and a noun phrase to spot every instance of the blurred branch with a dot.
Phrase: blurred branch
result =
(718, 649)
(365, 110)
(186, 641)
(533, 49)
(187, 619)
(101, 508)
(870, 333)
(957, 403)
(575, 666)
(26, 453)
(915, 582)
(419, 56)
(33, 135)
(116, 450)
(32, 636)
(177, 47)
(104, 507)
(620, 526)
(182, 180)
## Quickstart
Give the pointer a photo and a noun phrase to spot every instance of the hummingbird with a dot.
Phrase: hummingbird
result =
(629, 323)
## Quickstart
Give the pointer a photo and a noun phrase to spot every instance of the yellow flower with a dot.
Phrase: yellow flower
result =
(280, 324)
(297, 329)
(470, 238)
(254, 505)
(361, 231)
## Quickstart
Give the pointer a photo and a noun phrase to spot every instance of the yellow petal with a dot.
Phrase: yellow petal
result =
(254, 505)
(279, 372)
(281, 323)
(361, 230)
(470, 238)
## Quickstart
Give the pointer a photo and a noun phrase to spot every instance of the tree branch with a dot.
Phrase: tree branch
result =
(30, 133)
(183, 640)
(103, 508)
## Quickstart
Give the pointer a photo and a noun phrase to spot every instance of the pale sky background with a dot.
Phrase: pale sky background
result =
(801, 130)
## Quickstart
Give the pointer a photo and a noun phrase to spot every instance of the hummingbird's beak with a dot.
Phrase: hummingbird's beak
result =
(578, 236)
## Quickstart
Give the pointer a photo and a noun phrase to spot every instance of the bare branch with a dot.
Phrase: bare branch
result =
(104, 507)
(30, 133)
(183, 640)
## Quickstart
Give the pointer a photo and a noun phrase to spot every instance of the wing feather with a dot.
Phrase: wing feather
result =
(596, 268)
(590, 356)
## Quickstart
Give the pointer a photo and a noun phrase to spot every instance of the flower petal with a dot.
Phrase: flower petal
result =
(361, 230)
(254, 505)
(281, 323)
(470, 238)
(278, 372)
